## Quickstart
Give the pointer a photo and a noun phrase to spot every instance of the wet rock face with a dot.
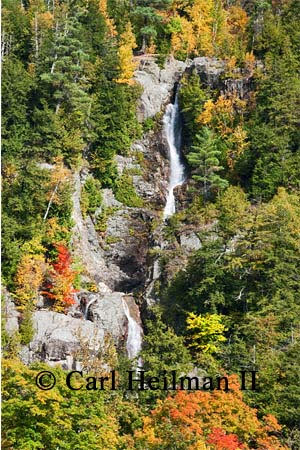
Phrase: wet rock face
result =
(126, 246)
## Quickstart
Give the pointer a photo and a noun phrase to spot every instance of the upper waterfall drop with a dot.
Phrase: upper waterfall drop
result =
(172, 128)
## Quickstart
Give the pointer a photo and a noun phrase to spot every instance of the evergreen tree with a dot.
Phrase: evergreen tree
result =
(206, 160)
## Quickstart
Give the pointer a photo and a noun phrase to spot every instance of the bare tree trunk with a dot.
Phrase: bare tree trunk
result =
(143, 49)
(53, 64)
(36, 38)
(50, 202)
(57, 107)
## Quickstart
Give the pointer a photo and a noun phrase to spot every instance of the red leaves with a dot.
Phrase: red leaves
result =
(220, 420)
(60, 286)
(223, 441)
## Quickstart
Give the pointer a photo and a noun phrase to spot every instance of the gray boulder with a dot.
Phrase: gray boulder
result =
(190, 241)
(57, 338)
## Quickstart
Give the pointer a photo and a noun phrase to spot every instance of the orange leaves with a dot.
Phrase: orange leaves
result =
(222, 441)
(62, 276)
(33, 269)
(222, 419)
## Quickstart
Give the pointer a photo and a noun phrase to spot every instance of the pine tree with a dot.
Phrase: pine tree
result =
(67, 56)
(206, 160)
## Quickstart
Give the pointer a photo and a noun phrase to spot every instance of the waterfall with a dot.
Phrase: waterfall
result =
(134, 334)
(172, 127)
(86, 311)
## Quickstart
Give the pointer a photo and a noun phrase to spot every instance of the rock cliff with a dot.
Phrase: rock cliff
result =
(122, 260)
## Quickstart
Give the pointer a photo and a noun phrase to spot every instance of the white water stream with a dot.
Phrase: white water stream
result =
(172, 127)
(134, 335)
(86, 311)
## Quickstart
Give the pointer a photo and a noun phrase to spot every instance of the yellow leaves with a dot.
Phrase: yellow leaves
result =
(148, 433)
(199, 445)
(60, 172)
(151, 48)
(47, 19)
(194, 32)
(224, 105)
(201, 17)
(237, 19)
(109, 22)
(207, 114)
(223, 115)
(238, 145)
(220, 114)
(30, 273)
(42, 21)
(59, 176)
(183, 41)
(54, 230)
(206, 332)
(126, 64)
(9, 172)
(207, 28)
(231, 66)
(249, 63)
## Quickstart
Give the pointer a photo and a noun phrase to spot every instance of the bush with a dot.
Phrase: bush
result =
(125, 191)
(91, 197)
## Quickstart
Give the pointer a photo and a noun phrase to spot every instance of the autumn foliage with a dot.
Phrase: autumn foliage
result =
(61, 279)
(127, 65)
(30, 274)
(214, 420)
(222, 441)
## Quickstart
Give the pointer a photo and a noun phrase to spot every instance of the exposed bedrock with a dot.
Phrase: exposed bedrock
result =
(157, 84)
(124, 258)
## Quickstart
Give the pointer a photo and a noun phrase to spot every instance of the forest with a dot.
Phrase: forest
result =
(69, 107)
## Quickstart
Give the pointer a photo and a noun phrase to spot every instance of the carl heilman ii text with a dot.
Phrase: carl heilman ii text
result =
(164, 381)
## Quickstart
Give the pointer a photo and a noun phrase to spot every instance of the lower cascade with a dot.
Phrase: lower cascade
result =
(134, 334)
(172, 127)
